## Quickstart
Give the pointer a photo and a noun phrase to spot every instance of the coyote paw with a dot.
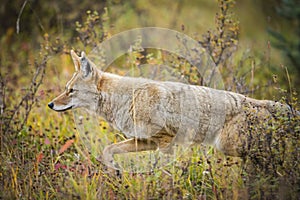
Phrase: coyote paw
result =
(108, 161)
(167, 150)
(112, 167)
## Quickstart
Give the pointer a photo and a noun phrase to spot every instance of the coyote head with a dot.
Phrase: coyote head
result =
(81, 90)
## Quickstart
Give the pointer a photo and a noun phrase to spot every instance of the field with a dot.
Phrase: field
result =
(50, 155)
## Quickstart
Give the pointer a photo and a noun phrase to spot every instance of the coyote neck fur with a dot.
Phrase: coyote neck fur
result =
(116, 94)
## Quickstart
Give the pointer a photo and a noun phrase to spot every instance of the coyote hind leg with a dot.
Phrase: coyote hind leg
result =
(232, 141)
(127, 146)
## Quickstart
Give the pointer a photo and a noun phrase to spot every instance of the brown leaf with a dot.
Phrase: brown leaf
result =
(39, 157)
(58, 166)
(66, 146)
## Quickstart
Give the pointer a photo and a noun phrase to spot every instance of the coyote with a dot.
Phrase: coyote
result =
(157, 115)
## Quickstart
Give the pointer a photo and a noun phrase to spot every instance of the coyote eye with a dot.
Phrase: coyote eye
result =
(71, 90)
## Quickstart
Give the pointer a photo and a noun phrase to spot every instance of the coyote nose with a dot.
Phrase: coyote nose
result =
(50, 105)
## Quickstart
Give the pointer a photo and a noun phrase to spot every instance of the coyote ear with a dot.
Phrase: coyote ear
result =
(76, 60)
(85, 65)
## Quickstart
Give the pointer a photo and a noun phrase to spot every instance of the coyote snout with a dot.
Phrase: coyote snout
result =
(159, 115)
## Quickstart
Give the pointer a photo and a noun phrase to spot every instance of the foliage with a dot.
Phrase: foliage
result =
(16, 117)
(272, 153)
(95, 28)
(222, 42)
(289, 44)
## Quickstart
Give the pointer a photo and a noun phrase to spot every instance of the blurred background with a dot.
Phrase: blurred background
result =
(267, 30)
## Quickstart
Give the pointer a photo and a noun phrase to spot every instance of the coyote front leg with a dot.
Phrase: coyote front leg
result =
(131, 145)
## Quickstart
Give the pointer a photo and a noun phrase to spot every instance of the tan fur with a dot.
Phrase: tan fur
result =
(159, 115)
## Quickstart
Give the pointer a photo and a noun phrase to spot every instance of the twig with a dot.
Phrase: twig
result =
(221, 30)
(29, 96)
(2, 107)
(19, 16)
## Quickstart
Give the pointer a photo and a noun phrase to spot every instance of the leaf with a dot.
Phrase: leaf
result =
(47, 141)
(277, 35)
(39, 157)
(66, 146)
(58, 166)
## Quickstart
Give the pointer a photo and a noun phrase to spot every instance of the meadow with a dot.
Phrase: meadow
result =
(50, 155)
